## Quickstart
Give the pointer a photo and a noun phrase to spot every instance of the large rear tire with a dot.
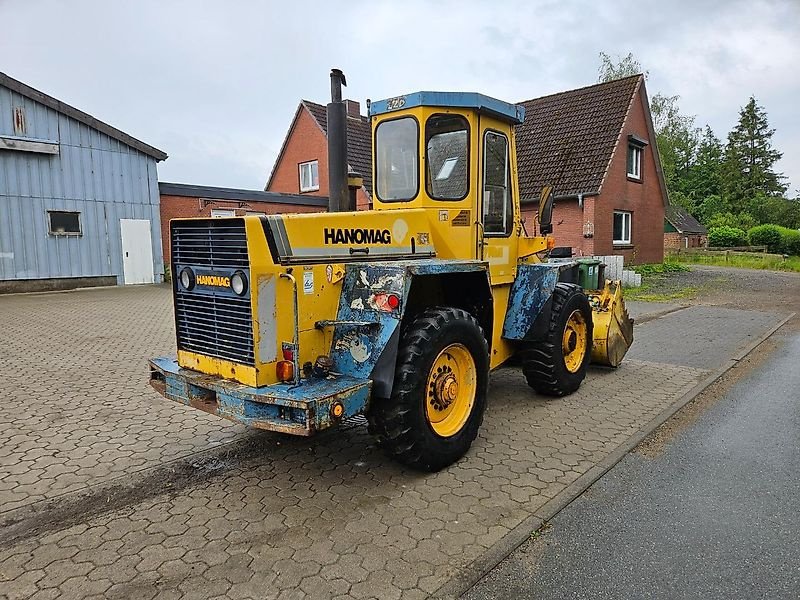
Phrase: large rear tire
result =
(439, 393)
(557, 365)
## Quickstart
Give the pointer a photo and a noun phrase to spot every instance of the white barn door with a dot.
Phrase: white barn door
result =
(137, 251)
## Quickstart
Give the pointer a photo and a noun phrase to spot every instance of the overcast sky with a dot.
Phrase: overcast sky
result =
(215, 84)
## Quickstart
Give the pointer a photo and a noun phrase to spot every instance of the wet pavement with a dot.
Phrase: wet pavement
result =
(711, 515)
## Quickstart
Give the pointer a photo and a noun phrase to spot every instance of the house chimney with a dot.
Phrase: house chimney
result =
(353, 109)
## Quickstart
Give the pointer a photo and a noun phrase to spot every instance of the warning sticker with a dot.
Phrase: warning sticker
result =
(308, 282)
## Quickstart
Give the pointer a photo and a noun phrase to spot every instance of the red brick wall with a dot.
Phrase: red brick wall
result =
(174, 207)
(306, 142)
(676, 241)
(571, 224)
(643, 199)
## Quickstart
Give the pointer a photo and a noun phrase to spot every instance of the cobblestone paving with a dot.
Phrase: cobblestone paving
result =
(77, 408)
(285, 517)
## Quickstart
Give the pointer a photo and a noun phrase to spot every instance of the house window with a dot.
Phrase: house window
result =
(64, 223)
(634, 161)
(309, 176)
(622, 228)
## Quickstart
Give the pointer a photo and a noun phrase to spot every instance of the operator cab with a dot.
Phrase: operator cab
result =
(453, 154)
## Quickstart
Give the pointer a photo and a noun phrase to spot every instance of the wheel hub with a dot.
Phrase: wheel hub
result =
(444, 388)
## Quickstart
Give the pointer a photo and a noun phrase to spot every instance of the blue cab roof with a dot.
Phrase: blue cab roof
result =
(513, 113)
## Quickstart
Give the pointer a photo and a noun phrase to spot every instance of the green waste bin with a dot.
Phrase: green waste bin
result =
(589, 273)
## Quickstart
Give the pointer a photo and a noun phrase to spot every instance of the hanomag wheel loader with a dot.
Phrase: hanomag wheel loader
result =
(295, 322)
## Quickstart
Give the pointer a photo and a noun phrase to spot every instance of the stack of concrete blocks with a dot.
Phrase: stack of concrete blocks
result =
(615, 270)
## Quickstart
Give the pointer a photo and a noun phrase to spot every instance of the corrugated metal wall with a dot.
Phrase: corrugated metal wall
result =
(94, 174)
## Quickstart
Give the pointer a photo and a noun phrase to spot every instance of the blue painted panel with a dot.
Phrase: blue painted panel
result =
(300, 409)
(513, 113)
(530, 291)
(365, 291)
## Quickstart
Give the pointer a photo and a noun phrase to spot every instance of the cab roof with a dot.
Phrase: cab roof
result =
(511, 113)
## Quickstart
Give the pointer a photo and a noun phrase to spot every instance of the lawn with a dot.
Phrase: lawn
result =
(770, 262)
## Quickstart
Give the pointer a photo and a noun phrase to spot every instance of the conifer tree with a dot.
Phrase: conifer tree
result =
(748, 168)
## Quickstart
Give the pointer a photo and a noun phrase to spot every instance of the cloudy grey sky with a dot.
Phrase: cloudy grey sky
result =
(216, 83)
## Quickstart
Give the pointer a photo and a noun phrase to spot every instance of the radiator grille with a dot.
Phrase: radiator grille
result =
(216, 243)
(213, 324)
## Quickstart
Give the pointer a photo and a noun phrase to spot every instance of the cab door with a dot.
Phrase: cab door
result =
(498, 238)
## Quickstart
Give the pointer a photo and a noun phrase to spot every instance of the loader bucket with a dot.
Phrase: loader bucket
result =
(613, 328)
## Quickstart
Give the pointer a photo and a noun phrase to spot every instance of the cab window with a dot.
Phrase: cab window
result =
(397, 167)
(447, 152)
(498, 215)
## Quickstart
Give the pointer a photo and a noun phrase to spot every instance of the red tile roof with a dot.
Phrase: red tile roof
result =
(359, 142)
(568, 138)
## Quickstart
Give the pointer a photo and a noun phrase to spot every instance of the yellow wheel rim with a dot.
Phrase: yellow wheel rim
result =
(573, 343)
(450, 390)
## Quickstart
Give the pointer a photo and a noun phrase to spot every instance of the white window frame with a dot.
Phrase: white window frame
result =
(308, 184)
(625, 240)
(635, 170)
(64, 233)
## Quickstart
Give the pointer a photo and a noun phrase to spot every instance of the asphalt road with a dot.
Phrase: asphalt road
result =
(713, 514)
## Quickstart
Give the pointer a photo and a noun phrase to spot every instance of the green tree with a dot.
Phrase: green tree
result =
(749, 165)
(705, 174)
(677, 139)
(611, 69)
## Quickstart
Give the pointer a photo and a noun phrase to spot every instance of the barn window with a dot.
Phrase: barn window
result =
(622, 227)
(64, 222)
(309, 176)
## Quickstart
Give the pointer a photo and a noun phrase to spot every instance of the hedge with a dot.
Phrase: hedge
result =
(725, 237)
(767, 235)
(778, 240)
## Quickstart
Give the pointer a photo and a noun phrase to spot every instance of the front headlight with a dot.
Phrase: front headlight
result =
(239, 283)
(187, 278)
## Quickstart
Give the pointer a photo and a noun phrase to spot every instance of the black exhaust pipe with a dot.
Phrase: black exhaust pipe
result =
(338, 193)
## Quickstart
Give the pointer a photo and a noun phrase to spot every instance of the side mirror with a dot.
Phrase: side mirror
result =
(546, 210)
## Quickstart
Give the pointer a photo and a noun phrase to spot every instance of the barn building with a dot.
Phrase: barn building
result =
(79, 201)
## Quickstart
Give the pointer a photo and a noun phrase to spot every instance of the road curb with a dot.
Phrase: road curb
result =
(470, 575)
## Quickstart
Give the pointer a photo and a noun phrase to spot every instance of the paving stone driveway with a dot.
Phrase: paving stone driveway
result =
(109, 491)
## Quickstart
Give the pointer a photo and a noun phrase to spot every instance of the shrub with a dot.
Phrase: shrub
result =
(767, 235)
(790, 241)
(725, 237)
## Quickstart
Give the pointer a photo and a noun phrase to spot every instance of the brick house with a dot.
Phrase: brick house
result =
(682, 230)
(179, 200)
(302, 163)
(595, 145)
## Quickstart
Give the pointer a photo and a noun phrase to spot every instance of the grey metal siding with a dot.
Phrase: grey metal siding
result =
(103, 179)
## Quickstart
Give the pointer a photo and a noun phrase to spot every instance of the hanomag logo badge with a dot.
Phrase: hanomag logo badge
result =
(214, 280)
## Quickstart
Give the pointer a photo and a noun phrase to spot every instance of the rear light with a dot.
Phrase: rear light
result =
(551, 243)
(285, 370)
(288, 353)
(393, 301)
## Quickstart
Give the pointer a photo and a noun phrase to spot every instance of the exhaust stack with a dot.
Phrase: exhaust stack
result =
(338, 193)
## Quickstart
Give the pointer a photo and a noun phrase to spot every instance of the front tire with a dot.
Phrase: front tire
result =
(439, 393)
(557, 365)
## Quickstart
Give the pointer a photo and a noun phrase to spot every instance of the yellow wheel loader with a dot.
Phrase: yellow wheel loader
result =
(293, 323)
